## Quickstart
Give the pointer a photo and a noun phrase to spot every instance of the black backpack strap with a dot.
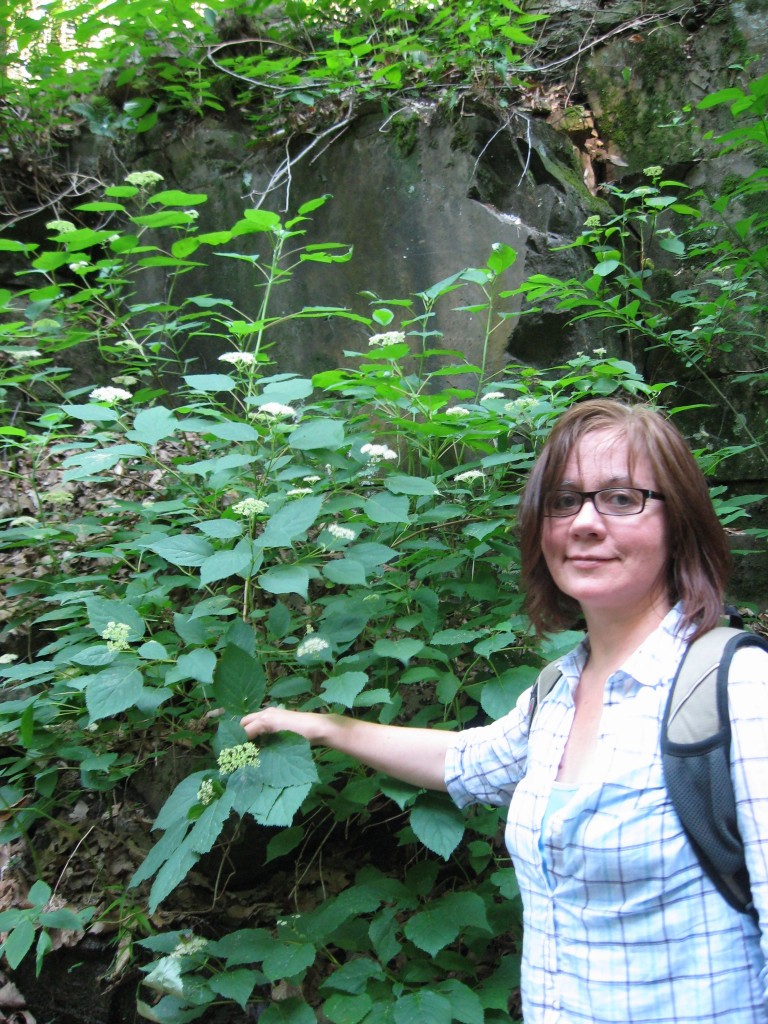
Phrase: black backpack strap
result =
(696, 753)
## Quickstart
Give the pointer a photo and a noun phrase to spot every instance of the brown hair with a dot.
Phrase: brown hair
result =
(699, 560)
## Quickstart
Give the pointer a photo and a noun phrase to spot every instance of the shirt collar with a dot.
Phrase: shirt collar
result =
(655, 659)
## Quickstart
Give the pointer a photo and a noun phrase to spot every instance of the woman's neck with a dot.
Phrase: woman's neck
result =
(613, 637)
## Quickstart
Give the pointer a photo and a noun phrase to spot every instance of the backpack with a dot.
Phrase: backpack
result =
(696, 752)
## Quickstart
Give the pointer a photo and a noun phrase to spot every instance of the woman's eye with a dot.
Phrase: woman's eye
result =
(564, 500)
(620, 498)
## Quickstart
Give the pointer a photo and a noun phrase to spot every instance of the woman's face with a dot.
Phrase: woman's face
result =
(614, 566)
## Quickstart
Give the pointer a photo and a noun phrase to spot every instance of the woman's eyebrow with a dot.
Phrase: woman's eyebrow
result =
(613, 481)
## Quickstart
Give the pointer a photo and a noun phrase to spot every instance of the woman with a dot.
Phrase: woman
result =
(621, 923)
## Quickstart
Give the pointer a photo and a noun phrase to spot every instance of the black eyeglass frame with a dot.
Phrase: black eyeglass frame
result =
(644, 492)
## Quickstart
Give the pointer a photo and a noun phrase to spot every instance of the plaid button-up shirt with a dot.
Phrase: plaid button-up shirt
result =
(621, 926)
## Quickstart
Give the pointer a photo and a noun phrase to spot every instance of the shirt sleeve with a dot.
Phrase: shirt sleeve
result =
(748, 699)
(483, 765)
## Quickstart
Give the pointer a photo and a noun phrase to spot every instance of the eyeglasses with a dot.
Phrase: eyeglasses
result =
(608, 501)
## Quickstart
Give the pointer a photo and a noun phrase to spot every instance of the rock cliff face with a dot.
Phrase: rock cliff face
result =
(420, 196)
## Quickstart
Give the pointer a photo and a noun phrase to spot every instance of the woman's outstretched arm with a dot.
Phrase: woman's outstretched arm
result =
(414, 755)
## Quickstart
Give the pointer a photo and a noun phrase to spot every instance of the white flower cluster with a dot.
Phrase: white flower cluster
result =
(194, 944)
(275, 410)
(388, 338)
(378, 452)
(238, 358)
(143, 179)
(298, 492)
(457, 410)
(521, 405)
(250, 507)
(491, 395)
(469, 476)
(232, 758)
(205, 793)
(116, 634)
(340, 532)
(311, 479)
(312, 645)
(62, 227)
(8, 659)
(110, 395)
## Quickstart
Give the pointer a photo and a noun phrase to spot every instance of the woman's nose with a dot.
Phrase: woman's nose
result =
(587, 518)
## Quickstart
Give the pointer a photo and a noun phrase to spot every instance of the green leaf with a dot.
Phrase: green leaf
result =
(198, 665)
(223, 564)
(210, 382)
(499, 696)
(437, 824)
(185, 549)
(152, 425)
(287, 960)
(286, 579)
(345, 571)
(19, 942)
(606, 267)
(457, 636)
(344, 688)
(112, 691)
(424, 1006)
(174, 197)
(399, 483)
(238, 683)
(387, 508)
(102, 611)
(344, 1009)
(465, 1004)
(288, 1011)
(290, 522)
(236, 985)
(317, 433)
(402, 650)
(94, 412)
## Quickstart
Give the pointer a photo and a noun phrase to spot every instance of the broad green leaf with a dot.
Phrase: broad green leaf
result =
(465, 1004)
(184, 549)
(286, 579)
(457, 636)
(98, 460)
(317, 434)
(437, 824)
(232, 431)
(102, 612)
(346, 1009)
(606, 267)
(221, 529)
(175, 197)
(399, 483)
(285, 388)
(198, 665)
(235, 985)
(152, 425)
(387, 508)
(344, 688)
(499, 696)
(402, 650)
(223, 564)
(93, 412)
(345, 571)
(238, 682)
(288, 1011)
(210, 382)
(287, 960)
(245, 946)
(19, 943)
(290, 522)
(424, 1006)
(112, 691)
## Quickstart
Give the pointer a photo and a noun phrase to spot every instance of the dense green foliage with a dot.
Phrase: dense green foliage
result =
(345, 541)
